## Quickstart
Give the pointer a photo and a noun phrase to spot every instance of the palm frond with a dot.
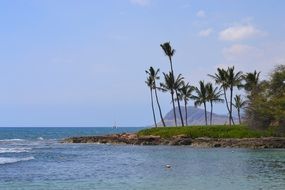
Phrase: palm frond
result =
(167, 49)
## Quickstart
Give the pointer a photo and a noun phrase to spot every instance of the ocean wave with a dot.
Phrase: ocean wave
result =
(6, 160)
(40, 138)
(9, 140)
(14, 150)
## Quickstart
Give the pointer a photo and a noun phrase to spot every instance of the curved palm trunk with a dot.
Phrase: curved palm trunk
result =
(179, 108)
(185, 103)
(211, 116)
(227, 104)
(173, 105)
(239, 116)
(206, 119)
(161, 117)
(154, 118)
(231, 106)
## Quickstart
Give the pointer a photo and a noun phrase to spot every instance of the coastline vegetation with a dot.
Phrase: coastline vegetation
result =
(216, 131)
(260, 104)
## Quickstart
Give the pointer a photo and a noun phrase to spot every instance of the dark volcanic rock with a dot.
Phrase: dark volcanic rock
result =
(181, 140)
(134, 139)
(149, 140)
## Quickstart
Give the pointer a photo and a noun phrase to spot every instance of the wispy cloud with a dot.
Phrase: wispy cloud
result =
(239, 32)
(201, 14)
(140, 2)
(239, 50)
(206, 32)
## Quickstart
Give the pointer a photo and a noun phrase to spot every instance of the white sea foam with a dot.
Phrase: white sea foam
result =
(14, 150)
(9, 140)
(41, 138)
(7, 160)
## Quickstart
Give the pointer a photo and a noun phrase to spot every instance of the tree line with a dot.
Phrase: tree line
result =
(226, 81)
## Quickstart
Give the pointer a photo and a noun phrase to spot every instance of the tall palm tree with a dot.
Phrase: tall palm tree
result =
(221, 78)
(234, 80)
(201, 97)
(239, 104)
(149, 82)
(169, 85)
(154, 75)
(169, 52)
(213, 95)
(178, 82)
(228, 79)
(186, 94)
(251, 82)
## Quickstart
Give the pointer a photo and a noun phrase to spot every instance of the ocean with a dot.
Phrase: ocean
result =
(34, 159)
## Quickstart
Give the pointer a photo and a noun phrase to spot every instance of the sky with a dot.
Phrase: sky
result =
(82, 63)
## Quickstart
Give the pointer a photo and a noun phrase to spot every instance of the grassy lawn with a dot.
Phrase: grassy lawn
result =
(217, 131)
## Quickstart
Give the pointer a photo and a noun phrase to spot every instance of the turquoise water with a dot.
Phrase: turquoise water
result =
(32, 158)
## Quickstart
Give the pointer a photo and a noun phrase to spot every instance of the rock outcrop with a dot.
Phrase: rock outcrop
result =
(134, 139)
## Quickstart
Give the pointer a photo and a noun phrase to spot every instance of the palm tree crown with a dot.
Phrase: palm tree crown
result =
(221, 78)
(213, 95)
(251, 80)
(167, 49)
(234, 79)
(185, 92)
(168, 84)
(149, 82)
(153, 73)
(201, 97)
(169, 52)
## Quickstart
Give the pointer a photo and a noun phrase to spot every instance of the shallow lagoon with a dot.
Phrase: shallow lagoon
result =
(89, 166)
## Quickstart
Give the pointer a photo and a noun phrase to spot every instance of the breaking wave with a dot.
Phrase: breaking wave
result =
(9, 140)
(6, 160)
(14, 150)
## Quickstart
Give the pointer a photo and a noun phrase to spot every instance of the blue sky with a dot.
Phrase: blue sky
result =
(81, 63)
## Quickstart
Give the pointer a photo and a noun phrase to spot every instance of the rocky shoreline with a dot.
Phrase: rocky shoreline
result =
(134, 139)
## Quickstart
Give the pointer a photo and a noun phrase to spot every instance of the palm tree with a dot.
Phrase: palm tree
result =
(251, 82)
(201, 97)
(221, 78)
(214, 95)
(149, 82)
(178, 82)
(169, 52)
(154, 75)
(234, 80)
(186, 94)
(228, 79)
(169, 85)
(239, 104)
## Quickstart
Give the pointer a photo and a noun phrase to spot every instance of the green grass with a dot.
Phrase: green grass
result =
(217, 131)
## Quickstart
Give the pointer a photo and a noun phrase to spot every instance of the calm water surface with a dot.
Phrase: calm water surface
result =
(32, 158)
